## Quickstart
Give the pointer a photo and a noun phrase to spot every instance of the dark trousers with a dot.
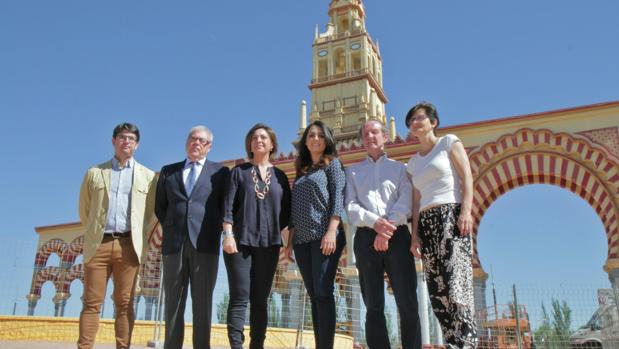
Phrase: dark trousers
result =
(179, 269)
(399, 264)
(318, 272)
(250, 276)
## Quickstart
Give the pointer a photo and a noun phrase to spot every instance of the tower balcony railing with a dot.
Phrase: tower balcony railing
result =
(339, 35)
(346, 34)
(345, 75)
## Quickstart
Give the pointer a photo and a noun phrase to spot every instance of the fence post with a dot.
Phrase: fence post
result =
(301, 327)
(517, 311)
(155, 342)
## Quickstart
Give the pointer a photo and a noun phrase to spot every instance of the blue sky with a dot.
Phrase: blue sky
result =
(71, 70)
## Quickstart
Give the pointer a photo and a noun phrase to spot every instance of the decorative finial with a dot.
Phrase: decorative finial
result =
(303, 117)
(392, 134)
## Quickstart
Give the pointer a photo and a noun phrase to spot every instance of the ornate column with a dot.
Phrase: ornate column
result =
(422, 299)
(151, 296)
(355, 304)
(296, 299)
(373, 115)
(439, 331)
(136, 303)
(286, 311)
(148, 311)
(612, 268)
(32, 302)
(60, 301)
(479, 292)
(353, 300)
(348, 59)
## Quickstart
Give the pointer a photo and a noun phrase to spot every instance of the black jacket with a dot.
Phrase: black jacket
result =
(201, 212)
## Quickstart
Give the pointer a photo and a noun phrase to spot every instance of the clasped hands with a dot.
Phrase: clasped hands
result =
(384, 231)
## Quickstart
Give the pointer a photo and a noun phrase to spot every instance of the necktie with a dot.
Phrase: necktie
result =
(191, 178)
(190, 183)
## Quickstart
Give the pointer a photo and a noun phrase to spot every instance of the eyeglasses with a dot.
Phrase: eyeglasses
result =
(200, 140)
(127, 138)
(418, 117)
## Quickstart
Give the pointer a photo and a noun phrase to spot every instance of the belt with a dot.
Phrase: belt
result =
(117, 235)
(401, 226)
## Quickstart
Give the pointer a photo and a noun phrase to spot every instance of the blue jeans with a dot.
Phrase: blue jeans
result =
(318, 272)
(399, 264)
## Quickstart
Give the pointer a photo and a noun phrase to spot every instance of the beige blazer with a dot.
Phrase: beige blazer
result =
(94, 203)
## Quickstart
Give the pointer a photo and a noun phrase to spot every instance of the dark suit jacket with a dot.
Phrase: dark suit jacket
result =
(201, 212)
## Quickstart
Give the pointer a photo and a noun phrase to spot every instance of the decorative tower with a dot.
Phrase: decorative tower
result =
(347, 78)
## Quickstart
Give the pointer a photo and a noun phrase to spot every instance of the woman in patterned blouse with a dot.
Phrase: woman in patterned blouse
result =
(256, 206)
(315, 224)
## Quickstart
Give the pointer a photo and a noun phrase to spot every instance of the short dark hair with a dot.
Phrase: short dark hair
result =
(272, 136)
(430, 110)
(125, 126)
(303, 163)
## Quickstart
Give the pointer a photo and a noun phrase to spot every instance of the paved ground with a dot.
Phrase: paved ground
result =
(57, 345)
(64, 345)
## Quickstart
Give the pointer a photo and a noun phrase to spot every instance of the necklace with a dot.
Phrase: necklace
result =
(261, 193)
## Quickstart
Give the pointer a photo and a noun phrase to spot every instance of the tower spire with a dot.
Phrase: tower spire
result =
(346, 81)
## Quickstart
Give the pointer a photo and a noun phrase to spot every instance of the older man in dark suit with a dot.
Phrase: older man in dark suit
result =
(189, 208)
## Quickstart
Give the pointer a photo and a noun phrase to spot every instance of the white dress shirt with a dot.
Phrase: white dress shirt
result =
(187, 169)
(380, 188)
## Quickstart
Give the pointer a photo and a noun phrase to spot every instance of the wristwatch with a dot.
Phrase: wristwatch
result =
(227, 234)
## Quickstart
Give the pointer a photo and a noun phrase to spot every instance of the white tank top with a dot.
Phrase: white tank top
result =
(435, 175)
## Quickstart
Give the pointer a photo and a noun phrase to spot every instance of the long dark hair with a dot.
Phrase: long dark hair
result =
(303, 163)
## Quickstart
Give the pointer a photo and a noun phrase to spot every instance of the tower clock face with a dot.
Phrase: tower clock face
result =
(355, 46)
(323, 53)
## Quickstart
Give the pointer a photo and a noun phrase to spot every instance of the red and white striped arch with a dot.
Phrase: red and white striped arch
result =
(545, 157)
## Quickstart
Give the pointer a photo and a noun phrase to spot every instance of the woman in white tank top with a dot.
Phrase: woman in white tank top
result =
(442, 224)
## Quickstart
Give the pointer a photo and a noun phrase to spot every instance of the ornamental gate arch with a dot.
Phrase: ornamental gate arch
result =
(569, 160)
(545, 157)
(61, 275)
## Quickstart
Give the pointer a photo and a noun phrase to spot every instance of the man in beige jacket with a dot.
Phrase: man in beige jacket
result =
(116, 208)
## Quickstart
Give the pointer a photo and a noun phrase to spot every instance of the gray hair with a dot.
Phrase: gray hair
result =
(383, 128)
(201, 128)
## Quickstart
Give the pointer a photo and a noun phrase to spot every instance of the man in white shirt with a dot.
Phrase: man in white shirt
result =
(378, 203)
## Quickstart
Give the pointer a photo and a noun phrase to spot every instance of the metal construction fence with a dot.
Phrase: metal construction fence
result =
(508, 316)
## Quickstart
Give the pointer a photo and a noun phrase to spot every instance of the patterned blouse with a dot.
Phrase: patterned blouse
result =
(316, 197)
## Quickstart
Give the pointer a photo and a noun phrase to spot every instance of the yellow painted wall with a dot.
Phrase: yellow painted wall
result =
(53, 329)
(570, 121)
(66, 233)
